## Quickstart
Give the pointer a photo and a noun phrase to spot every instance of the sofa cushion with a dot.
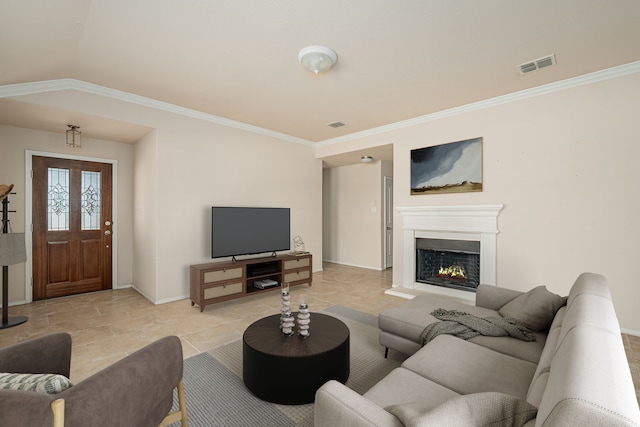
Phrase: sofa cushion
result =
(581, 313)
(539, 382)
(493, 297)
(535, 309)
(471, 410)
(525, 350)
(589, 382)
(467, 368)
(43, 383)
(403, 386)
(403, 345)
(409, 319)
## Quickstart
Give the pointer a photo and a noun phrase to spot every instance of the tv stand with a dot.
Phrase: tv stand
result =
(223, 281)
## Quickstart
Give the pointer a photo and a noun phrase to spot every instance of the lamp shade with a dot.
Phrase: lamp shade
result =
(12, 248)
(317, 58)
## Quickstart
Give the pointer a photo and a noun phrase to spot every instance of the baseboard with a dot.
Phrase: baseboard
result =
(630, 332)
(162, 301)
(22, 302)
(353, 265)
(143, 294)
(172, 299)
(11, 304)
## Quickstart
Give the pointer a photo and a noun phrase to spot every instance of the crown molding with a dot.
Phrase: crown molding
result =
(22, 89)
(598, 76)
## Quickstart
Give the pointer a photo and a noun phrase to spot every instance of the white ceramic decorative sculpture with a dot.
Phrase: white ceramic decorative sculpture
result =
(304, 318)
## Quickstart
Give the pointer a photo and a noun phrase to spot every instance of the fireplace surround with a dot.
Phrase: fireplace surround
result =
(470, 223)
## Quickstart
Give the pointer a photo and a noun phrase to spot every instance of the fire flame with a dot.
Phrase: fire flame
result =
(453, 271)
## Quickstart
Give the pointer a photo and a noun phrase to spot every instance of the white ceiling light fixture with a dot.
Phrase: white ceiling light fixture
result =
(74, 137)
(317, 58)
(366, 159)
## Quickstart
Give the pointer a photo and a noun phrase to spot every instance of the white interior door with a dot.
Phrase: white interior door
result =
(388, 222)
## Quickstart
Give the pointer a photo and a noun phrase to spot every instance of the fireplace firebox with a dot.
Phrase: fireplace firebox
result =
(452, 264)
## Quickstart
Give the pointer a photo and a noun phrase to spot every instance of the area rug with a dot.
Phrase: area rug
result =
(216, 395)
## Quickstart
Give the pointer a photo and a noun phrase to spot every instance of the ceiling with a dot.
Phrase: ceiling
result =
(237, 59)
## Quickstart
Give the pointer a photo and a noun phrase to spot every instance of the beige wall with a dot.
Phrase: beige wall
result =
(14, 142)
(145, 216)
(564, 165)
(352, 232)
(200, 165)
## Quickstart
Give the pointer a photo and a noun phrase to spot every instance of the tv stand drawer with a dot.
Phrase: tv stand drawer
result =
(297, 275)
(224, 274)
(223, 290)
(296, 263)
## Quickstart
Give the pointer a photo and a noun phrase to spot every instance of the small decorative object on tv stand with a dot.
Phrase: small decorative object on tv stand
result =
(298, 245)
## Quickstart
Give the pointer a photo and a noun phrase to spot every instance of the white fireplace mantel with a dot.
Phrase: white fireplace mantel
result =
(468, 222)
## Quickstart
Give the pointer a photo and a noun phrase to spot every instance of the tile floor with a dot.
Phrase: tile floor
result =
(108, 325)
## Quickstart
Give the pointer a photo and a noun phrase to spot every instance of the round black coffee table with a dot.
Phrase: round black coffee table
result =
(289, 370)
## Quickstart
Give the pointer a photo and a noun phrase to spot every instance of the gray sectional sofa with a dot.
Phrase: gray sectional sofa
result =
(574, 373)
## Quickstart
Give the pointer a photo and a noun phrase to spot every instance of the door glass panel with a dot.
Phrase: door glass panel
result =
(58, 199)
(90, 200)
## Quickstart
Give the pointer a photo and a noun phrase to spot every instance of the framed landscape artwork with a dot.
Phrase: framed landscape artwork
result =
(455, 167)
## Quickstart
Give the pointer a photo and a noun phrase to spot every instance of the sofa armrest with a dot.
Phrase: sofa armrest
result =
(49, 354)
(25, 408)
(135, 391)
(493, 297)
(338, 405)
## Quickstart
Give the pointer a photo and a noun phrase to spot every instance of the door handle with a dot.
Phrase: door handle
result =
(107, 232)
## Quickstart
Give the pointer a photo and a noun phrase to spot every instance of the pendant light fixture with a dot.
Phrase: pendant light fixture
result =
(317, 58)
(74, 137)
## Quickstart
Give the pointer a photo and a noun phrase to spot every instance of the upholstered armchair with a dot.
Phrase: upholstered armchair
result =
(135, 391)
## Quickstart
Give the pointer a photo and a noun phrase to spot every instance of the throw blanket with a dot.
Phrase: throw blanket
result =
(466, 326)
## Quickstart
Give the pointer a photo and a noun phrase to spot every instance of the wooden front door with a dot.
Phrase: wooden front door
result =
(72, 227)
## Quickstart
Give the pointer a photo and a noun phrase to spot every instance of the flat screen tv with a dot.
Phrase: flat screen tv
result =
(248, 230)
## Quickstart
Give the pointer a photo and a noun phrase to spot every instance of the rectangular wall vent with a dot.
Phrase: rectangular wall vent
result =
(336, 124)
(537, 64)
